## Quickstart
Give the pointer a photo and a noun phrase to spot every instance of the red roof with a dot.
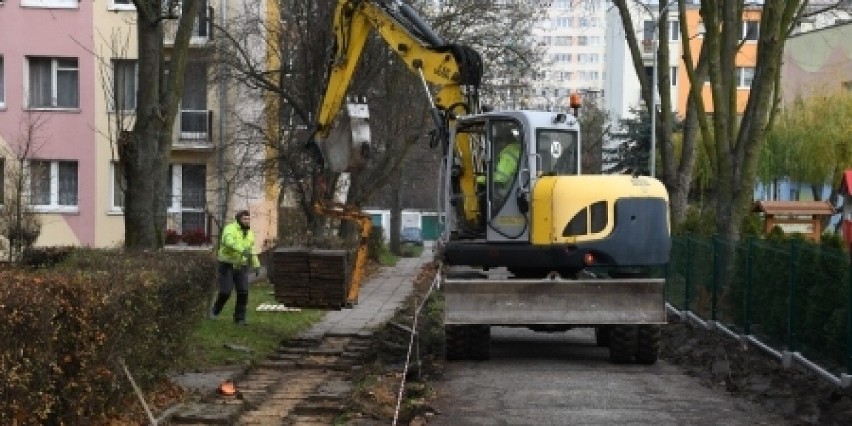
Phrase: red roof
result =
(846, 182)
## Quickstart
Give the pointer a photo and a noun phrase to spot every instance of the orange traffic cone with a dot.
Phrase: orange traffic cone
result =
(227, 388)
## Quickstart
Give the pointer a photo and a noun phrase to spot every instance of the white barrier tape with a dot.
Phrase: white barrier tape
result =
(411, 341)
(405, 368)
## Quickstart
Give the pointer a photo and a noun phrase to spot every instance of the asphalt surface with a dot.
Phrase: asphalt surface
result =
(564, 378)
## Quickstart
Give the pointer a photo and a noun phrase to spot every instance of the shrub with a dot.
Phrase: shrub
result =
(70, 324)
(41, 257)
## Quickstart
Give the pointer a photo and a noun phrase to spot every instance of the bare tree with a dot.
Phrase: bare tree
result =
(676, 170)
(18, 222)
(594, 129)
(738, 138)
(287, 69)
(144, 151)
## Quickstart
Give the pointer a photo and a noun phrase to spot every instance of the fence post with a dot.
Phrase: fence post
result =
(791, 303)
(749, 273)
(687, 273)
(714, 297)
(849, 322)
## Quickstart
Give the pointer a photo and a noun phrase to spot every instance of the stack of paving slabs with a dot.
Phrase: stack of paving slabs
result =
(310, 278)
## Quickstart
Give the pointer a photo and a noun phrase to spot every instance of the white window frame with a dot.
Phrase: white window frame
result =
(674, 30)
(54, 84)
(121, 5)
(53, 206)
(52, 4)
(174, 206)
(113, 188)
(740, 76)
(135, 64)
(744, 32)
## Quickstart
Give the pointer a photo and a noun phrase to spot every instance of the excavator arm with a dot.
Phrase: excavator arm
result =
(455, 70)
(365, 224)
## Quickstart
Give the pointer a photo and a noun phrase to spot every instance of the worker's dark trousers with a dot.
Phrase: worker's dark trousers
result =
(229, 278)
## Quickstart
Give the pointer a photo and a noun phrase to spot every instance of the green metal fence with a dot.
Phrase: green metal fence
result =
(791, 294)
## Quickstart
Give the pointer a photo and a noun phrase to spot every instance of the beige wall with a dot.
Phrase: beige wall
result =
(817, 62)
(115, 37)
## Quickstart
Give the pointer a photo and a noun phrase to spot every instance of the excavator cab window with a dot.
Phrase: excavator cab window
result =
(507, 153)
(557, 152)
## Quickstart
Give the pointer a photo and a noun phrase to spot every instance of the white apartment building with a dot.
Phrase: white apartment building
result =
(622, 90)
(572, 36)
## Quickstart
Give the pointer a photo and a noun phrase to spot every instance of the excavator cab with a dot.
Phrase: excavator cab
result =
(510, 151)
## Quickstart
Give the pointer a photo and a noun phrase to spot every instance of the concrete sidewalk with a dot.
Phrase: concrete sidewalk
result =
(380, 296)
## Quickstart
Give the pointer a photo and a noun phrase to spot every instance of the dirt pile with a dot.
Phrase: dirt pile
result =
(744, 371)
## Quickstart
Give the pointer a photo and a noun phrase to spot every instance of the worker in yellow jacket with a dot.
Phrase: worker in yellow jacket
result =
(236, 256)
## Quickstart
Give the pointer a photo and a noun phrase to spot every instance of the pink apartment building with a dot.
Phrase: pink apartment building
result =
(70, 66)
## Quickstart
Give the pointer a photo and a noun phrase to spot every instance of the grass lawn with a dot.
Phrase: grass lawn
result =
(220, 343)
(263, 334)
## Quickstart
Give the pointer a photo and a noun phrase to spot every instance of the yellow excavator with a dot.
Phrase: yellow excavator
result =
(538, 245)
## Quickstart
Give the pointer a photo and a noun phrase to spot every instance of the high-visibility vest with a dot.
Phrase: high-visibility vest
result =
(508, 163)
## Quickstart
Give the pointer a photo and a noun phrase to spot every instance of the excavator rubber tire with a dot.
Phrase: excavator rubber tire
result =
(623, 341)
(602, 334)
(648, 344)
(455, 337)
(467, 342)
(479, 339)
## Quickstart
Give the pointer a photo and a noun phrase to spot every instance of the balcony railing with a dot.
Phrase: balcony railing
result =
(202, 30)
(647, 46)
(194, 129)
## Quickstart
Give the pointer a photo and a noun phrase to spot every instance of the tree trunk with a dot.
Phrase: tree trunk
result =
(144, 152)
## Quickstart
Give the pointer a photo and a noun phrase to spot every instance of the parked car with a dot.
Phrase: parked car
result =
(412, 235)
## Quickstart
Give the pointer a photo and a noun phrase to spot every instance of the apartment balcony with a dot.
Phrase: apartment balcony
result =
(193, 131)
(202, 30)
(648, 49)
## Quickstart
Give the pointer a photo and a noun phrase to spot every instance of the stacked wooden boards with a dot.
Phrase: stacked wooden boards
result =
(310, 278)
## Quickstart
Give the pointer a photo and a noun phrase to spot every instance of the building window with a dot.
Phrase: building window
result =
(53, 83)
(2, 87)
(53, 185)
(121, 5)
(648, 30)
(674, 30)
(124, 84)
(750, 30)
(187, 195)
(673, 75)
(117, 187)
(51, 4)
(744, 77)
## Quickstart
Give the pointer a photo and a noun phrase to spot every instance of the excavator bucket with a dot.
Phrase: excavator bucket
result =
(554, 301)
(348, 146)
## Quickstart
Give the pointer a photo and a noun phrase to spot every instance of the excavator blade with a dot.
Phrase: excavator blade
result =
(554, 301)
(348, 146)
